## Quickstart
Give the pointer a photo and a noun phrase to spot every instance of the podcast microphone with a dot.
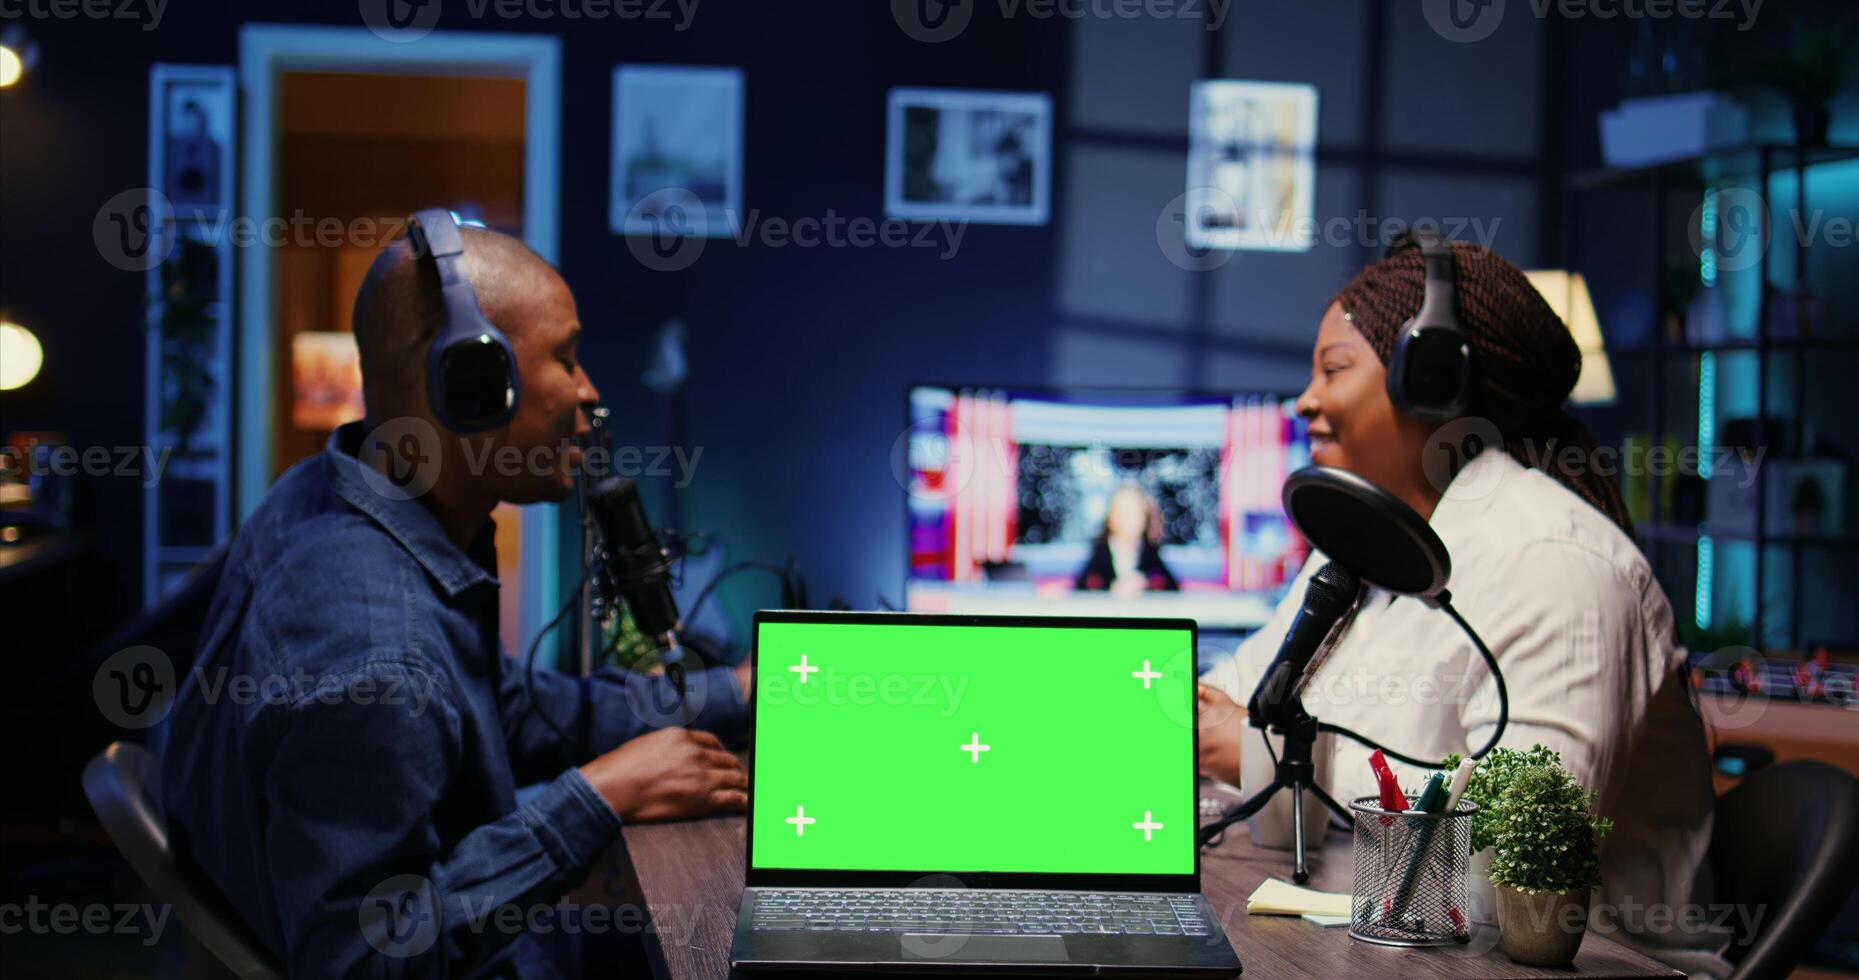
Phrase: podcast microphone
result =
(1367, 535)
(1329, 597)
(638, 567)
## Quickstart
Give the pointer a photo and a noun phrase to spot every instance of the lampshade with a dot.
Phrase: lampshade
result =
(1567, 294)
(17, 54)
(20, 356)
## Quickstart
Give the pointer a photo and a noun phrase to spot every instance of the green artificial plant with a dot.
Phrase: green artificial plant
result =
(1489, 779)
(1547, 833)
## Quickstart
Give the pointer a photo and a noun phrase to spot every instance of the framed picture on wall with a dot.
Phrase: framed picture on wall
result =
(1252, 175)
(325, 370)
(677, 150)
(973, 156)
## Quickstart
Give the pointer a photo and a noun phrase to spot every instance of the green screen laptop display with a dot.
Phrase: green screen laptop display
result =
(919, 747)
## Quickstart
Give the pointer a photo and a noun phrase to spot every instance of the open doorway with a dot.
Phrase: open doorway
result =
(362, 149)
(343, 127)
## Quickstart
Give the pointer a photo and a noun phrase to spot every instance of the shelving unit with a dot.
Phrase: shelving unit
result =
(1753, 163)
(188, 510)
(1727, 163)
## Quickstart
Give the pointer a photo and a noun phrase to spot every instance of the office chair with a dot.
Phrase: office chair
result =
(174, 626)
(1786, 841)
(123, 784)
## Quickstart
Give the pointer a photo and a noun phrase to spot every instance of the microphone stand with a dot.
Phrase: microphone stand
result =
(593, 601)
(1296, 772)
(651, 563)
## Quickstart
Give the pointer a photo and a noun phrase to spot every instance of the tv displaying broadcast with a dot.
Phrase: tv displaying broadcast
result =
(1114, 503)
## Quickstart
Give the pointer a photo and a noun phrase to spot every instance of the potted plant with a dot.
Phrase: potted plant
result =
(1806, 65)
(1810, 74)
(1546, 863)
(189, 291)
(1488, 780)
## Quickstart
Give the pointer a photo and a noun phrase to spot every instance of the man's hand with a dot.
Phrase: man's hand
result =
(670, 774)
(1222, 724)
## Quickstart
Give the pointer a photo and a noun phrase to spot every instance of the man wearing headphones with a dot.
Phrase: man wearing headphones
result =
(362, 812)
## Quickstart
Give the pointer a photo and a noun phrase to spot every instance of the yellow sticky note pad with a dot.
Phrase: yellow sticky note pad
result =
(1276, 897)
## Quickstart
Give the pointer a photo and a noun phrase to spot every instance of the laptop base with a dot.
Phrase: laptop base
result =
(949, 951)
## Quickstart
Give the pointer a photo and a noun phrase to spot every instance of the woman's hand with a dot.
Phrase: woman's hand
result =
(1222, 724)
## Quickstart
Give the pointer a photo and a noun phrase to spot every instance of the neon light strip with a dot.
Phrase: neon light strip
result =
(1707, 411)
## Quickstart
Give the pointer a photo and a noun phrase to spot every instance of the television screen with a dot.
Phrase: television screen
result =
(1101, 503)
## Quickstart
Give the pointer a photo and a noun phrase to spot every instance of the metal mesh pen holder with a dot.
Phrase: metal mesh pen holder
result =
(1411, 875)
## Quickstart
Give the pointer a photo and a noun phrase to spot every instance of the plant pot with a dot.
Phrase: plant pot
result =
(1483, 898)
(1542, 928)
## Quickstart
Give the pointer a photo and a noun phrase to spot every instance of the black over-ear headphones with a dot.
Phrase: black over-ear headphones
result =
(1432, 366)
(471, 380)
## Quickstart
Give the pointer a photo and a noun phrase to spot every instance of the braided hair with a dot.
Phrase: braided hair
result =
(1524, 362)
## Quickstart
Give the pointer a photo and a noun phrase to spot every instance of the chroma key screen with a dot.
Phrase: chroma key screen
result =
(944, 747)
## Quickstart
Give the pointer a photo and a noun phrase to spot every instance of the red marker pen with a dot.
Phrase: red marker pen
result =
(1391, 796)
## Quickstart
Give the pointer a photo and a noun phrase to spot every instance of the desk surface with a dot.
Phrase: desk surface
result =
(690, 877)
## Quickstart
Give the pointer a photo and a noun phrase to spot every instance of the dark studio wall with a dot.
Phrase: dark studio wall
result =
(800, 356)
(777, 335)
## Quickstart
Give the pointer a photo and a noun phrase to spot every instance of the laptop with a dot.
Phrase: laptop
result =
(974, 794)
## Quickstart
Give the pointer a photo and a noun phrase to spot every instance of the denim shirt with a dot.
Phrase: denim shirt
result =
(344, 758)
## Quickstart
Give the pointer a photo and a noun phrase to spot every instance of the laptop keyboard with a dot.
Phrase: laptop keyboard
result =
(982, 912)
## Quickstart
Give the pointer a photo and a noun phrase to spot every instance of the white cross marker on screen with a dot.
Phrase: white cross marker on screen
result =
(974, 748)
(800, 820)
(1148, 825)
(803, 670)
(1146, 674)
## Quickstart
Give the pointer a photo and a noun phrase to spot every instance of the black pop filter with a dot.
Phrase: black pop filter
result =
(1367, 530)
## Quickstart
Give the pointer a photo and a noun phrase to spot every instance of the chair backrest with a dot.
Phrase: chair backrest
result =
(123, 784)
(1785, 844)
(174, 626)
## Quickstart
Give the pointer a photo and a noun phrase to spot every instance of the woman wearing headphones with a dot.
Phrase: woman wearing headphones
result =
(1544, 566)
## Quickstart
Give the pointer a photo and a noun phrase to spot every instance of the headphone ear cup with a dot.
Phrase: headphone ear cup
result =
(472, 382)
(1397, 370)
(1430, 372)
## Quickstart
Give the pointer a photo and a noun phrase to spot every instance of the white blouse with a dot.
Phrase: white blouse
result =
(1571, 610)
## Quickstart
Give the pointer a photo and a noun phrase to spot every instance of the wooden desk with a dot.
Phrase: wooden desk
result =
(690, 878)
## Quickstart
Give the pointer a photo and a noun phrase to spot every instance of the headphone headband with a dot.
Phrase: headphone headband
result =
(434, 232)
(1441, 304)
(1431, 369)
